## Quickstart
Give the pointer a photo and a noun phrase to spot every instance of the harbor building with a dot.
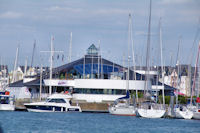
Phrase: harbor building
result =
(90, 78)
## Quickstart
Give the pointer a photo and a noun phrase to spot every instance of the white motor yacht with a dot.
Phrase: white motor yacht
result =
(6, 102)
(54, 103)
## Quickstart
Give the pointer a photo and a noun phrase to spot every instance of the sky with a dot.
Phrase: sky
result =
(23, 21)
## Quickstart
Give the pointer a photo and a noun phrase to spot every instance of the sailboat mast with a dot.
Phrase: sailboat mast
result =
(51, 64)
(123, 64)
(98, 58)
(148, 51)
(41, 70)
(70, 49)
(25, 68)
(127, 77)
(192, 55)
(161, 54)
(34, 45)
(129, 42)
(178, 65)
(195, 72)
(16, 63)
(133, 54)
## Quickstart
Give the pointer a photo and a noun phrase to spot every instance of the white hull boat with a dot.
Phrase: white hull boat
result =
(146, 113)
(196, 112)
(6, 102)
(183, 113)
(54, 103)
(149, 111)
(122, 110)
(196, 115)
(123, 107)
(7, 107)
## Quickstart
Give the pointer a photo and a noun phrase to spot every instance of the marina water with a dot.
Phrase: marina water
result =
(27, 122)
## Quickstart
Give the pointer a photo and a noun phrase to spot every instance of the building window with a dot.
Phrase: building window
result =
(99, 91)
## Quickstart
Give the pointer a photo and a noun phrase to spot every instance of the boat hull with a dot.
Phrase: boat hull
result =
(43, 108)
(124, 111)
(196, 115)
(186, 114)
(195, 110)
(151, 113)
(7, 107)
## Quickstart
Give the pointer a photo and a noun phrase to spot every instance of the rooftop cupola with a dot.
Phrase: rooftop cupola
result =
(92, 50)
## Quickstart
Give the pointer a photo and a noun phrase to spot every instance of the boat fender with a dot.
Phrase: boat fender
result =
(7, 93)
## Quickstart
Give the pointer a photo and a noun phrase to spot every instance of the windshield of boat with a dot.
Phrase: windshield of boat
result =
(4, 100)
(121, 101)
(56, 100)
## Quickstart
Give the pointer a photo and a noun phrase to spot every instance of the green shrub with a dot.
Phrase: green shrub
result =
(62, 76)
(167, 99)
(140, 94)
(182, 99)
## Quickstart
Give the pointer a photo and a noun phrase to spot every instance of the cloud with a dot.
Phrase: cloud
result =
(67, 9)
(10, 15)
(166, 2)
(111, 11)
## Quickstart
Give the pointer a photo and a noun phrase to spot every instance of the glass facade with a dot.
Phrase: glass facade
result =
(99, 91)
(94, 68)
(89, 71)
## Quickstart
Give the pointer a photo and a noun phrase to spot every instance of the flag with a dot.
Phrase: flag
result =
(176, 92)
(198, 100)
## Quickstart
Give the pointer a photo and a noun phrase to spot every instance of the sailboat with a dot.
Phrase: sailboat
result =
(193, 108)
(180, 111)
(122, 105)
(149, 108)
